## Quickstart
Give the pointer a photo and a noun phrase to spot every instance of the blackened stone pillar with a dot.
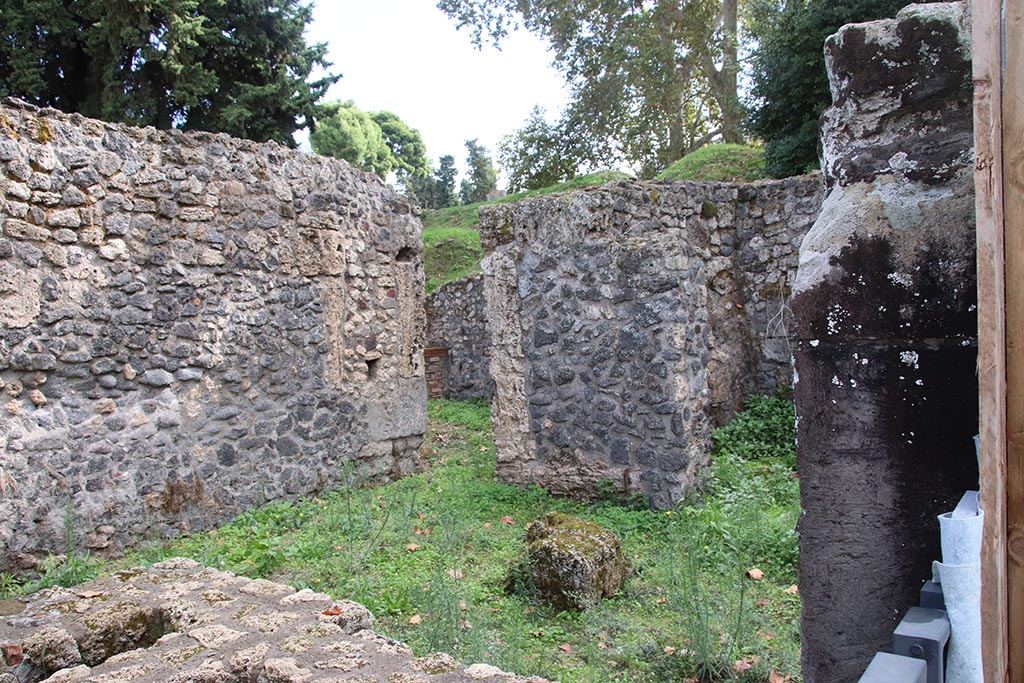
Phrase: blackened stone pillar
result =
(885, 298)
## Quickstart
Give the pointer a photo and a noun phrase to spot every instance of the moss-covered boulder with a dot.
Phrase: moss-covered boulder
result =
(572, 563)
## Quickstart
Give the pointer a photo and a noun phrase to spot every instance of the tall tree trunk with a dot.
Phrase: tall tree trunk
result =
(729, 101)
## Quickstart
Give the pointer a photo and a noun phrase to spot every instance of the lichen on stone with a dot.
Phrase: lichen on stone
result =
(571, 562)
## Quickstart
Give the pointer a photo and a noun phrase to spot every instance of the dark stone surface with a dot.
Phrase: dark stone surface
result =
(456, 321)
(923, 76)
(885, 305)
(887, 408)
(631, 319)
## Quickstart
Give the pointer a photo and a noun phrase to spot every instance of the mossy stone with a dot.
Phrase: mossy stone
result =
(573, 562)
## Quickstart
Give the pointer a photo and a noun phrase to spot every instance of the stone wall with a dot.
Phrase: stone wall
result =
(627, 320)
(191, 325)
(456, 321)
(886, 396)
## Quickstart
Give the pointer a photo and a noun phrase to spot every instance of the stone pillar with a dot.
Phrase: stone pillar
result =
(885, 298)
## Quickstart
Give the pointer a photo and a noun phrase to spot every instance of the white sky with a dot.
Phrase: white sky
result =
(405, 56)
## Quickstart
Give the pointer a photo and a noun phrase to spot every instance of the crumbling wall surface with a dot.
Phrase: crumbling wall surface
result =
(456, 321)
(628, 319)
(191, 325)
(180, 622)
(885, 299)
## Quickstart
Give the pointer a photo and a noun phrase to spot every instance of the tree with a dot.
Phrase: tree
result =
(790, 83)
(651, 79)
(538, 155)
(483, 179)
(237, 66)
(420, 191)
(347, 132)
(405, 143)
(435, 191)
(378, 142)
(444, 193)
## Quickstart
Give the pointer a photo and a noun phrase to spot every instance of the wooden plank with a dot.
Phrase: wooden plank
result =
(1013, 226)
(986, 31)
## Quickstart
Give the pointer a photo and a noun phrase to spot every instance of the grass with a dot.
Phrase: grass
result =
(449, 253)
(720, 162)
(429, 555)
(452, 243)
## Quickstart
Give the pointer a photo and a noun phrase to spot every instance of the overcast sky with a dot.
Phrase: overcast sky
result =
(405, 56)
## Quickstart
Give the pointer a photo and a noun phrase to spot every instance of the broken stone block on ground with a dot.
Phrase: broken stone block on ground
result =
(571, 562)
(179, 622)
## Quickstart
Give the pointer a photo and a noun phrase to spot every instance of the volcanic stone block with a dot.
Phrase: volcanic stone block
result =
(885, 296)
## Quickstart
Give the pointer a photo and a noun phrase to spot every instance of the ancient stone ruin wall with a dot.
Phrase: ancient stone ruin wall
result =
(456, 322)
(626, 320)
(886, 397)
(191, 325)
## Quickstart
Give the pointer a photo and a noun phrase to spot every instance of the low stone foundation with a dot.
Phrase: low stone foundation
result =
(179, 622)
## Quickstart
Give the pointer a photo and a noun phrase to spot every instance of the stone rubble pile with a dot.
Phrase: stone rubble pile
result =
(180, 622)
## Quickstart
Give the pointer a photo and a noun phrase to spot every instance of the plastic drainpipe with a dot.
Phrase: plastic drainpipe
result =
(960, 576)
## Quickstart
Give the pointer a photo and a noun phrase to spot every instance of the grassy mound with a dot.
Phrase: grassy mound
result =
(450, 236)
(721, 163)
(450, 253)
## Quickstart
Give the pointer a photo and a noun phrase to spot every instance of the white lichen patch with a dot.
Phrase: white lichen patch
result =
(836, 316)
(344, 647)
(297, 644)
(345, 664)
(909, 358)
(264, 587)
(286, 669)
(179, 656)
(483, 671)
(268, 622)
(901, 279)
(303, 596)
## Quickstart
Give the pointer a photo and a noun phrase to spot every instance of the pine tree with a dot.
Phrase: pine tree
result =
(236, 66)
(483, 178)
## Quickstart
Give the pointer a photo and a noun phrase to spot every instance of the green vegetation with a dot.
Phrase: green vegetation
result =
(722, 162)
(538, 155)
(236, 66)
(790, 83)
(483, 177)
(451, 251)
(55, 570)
(429, 555)
(378, 141)
(650, 81)
(450, 239)
(436, 190)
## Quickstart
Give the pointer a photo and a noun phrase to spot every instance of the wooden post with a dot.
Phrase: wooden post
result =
(999, 178)
(1013, 226)
(987, 64)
